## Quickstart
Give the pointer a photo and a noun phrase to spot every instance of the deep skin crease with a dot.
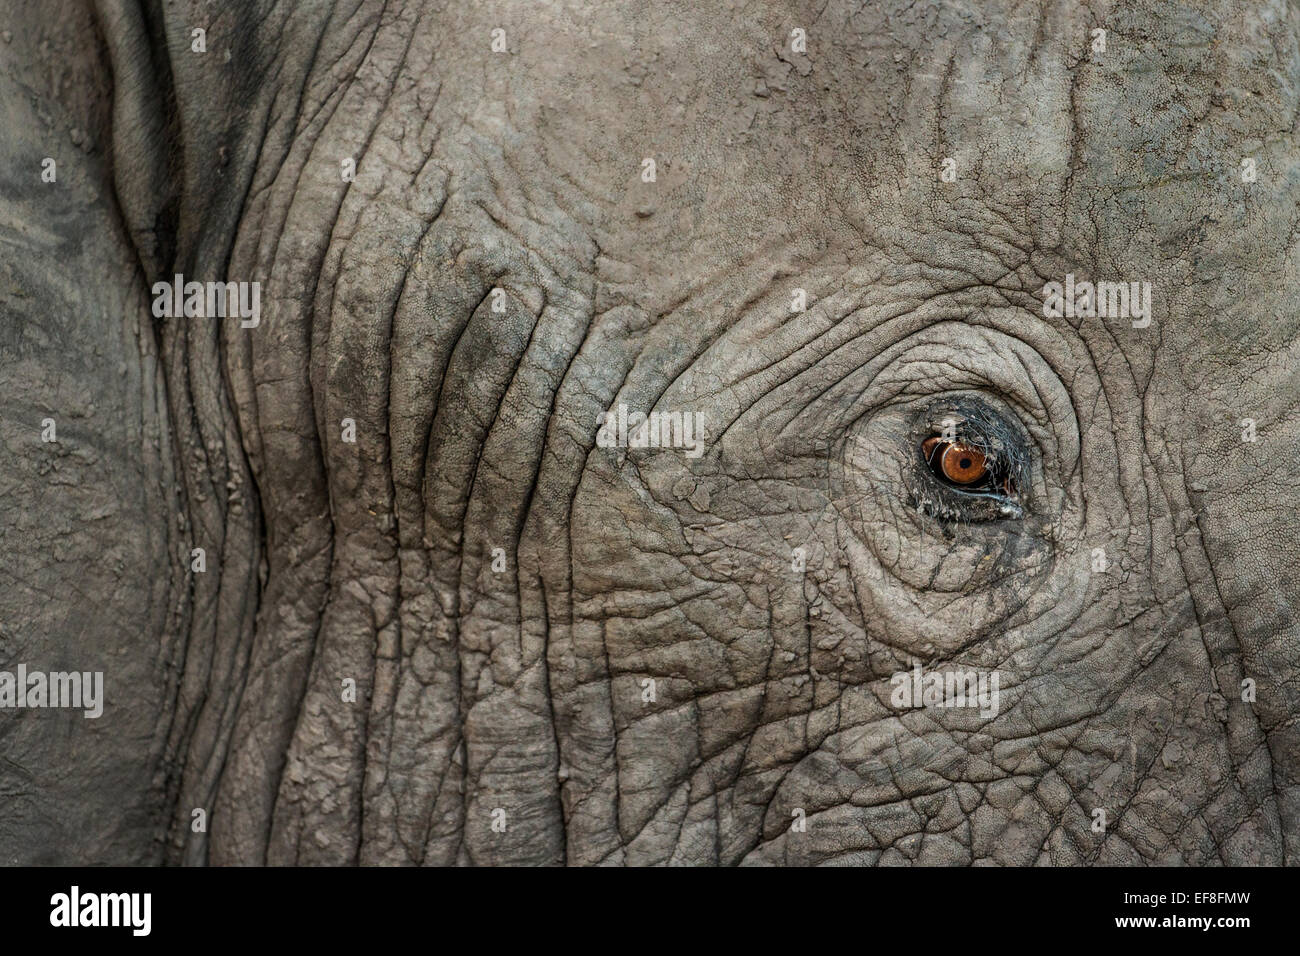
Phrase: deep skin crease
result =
(528, 690)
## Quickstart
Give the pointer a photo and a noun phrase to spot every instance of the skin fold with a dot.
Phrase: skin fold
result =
(565, 653)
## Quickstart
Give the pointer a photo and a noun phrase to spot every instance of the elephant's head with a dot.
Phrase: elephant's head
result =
(962, 529)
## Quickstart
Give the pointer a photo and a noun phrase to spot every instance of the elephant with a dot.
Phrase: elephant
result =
(575, 433)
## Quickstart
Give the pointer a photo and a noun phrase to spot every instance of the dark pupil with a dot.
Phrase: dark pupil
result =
(965, 462)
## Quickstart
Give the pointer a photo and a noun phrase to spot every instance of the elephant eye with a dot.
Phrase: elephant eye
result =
(965, 465)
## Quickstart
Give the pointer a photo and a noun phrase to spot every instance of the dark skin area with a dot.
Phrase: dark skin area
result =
(500, 590)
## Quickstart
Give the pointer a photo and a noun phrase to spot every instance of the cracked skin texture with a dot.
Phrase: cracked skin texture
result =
(523, 690)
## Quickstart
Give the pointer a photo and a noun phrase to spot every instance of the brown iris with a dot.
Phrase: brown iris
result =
(961, 463)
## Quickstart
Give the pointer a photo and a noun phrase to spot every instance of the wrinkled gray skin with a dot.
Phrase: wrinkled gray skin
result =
(523, 690)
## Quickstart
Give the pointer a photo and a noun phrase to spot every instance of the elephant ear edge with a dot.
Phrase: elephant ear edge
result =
(189, 114)
(145, 129)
